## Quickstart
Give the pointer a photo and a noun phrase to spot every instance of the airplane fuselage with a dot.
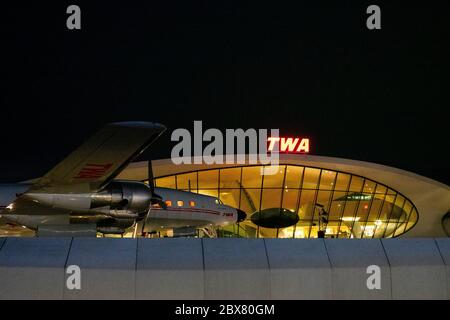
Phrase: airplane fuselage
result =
(81, 194)
(184, 209)
(188, 209)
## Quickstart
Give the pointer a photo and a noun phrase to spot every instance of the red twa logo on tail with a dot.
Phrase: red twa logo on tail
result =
(92, 170)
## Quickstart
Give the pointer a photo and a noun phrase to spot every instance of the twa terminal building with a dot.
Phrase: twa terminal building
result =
(319, 228)
(314, 196)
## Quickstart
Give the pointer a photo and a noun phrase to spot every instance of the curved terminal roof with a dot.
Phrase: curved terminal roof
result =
(431, 198)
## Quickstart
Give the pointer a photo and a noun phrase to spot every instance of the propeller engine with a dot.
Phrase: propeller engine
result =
(127, 199)
(122, 200)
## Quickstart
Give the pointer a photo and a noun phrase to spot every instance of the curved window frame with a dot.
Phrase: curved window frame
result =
(285, 166)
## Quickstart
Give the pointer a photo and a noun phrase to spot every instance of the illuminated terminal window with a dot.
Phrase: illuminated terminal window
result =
(180, 203)
(192, 203)
(301, 202)
(168, 203)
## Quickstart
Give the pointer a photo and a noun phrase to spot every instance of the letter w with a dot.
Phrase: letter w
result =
(288, 143)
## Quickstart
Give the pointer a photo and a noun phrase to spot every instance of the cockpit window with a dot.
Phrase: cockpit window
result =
(218, 201)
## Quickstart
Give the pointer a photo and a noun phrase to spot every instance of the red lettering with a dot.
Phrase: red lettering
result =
(295, 145)
(288, 143)
(92, 171)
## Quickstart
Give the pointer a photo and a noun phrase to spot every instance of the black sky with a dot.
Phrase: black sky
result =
(311, 69)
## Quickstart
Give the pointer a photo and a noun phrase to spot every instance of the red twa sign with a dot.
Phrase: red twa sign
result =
(93, 171)
(287, 145)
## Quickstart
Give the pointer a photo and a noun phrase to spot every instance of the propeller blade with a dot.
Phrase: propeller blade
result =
(151, 182)
(156, 199)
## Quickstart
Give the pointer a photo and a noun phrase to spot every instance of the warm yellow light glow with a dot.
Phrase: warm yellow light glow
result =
(299, 233)
(350, 218)
(295, 186)
(369, 230)
(208, 192)
(289, 231)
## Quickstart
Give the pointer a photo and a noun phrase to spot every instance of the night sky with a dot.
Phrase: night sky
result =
(312, 69)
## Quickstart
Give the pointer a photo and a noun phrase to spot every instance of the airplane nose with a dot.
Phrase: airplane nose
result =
(241, 215)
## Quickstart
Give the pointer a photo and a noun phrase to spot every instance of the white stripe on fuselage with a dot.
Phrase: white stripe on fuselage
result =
(9, 193)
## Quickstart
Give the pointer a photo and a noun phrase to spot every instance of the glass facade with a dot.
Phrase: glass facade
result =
(301, 202)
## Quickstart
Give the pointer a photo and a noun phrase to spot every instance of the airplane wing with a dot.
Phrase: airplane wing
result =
(101, 158)
(23, 206)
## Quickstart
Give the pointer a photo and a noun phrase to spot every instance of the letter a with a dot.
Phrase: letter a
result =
(374, 280)
(74, 280)
(374, 20)
(183, 147)
(74, 20)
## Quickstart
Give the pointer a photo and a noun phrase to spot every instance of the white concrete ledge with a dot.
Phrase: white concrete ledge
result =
(350, 259)
(33, 268)
(444, 249)
(234, 269)
(299, 269)
(107, 268)
(417, 268)
(170, 268)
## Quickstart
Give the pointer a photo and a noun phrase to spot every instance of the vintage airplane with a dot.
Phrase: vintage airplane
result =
(80, 196)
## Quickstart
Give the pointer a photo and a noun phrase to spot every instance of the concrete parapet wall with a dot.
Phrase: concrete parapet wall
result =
(350, 259)
(170, 268)
(417, 268)
(238, 269)
(299, 269)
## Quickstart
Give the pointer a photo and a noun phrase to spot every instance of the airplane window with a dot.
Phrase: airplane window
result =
(168, 203)
(180, 203)
(192, 203)
(218, 201)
